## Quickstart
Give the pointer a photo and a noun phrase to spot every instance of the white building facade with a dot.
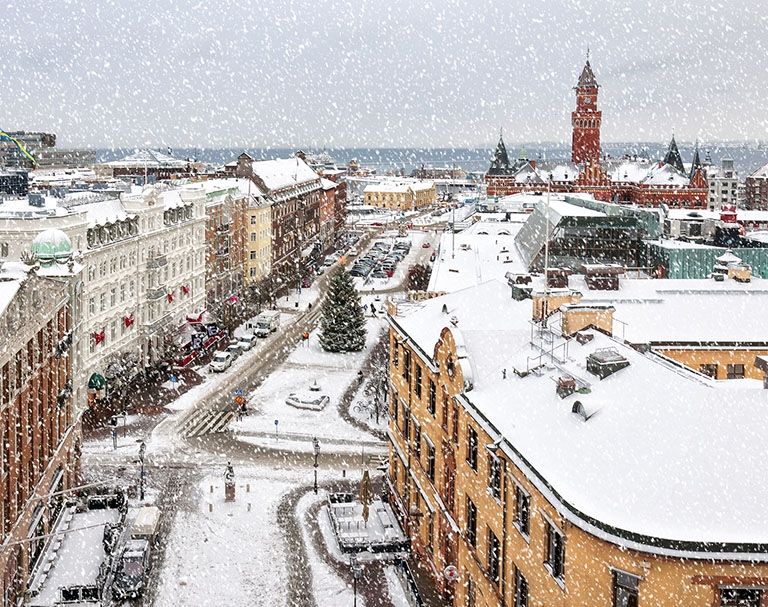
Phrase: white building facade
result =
(144, 272)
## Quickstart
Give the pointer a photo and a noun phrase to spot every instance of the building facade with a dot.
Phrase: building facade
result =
(144, 272)
(723, 185)
(756, 190)
(226, 236)
(401, 196)
(39, 426)
(667, 182)
(479, 471)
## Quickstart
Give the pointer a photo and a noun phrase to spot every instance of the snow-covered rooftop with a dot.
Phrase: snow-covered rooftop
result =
(151, 159)
(663, 454)
(284, 173)
(693, 311)
(79, 556)
(483, 251)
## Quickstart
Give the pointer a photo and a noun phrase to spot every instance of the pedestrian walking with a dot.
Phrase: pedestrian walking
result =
(373, 310)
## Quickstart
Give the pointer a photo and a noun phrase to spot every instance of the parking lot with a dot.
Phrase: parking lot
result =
(386, 263)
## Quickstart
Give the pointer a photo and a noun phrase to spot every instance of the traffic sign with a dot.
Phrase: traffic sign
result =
(451, 573)
(239, 392)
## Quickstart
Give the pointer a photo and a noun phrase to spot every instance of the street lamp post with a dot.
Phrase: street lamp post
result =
(316, 450)
(142, 450)
(357, 573)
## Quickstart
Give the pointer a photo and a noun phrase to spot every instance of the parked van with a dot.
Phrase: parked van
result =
(146, 524)
(264, 324)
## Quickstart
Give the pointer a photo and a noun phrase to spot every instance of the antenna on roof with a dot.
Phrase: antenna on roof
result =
(587, 53)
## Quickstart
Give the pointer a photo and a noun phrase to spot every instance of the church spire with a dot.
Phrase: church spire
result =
(673, 156)
(696, 162)
(500, 160)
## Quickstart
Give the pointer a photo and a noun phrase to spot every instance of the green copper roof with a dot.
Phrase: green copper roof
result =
(52, 245)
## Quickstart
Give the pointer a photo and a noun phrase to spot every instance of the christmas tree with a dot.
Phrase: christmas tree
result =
(342, 328)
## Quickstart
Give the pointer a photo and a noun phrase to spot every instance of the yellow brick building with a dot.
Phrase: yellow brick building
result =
(553, 471)
(401, 196)
(259, 241)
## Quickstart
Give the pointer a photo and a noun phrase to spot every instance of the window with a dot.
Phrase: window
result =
(735, 371)
(417, 388)
(254, 236)
(471, 593)
(521, 589)
(92, 306)
(431, 462)
(407, 365)
(417, 440)
(395, 407)
(708, 370)
(494, 551)
(522, 511)
(494, 476)
(625, 589)
(406, 424)
(555, 552)
(471, 522)
(396, 354)
(472, 448)
(740, 597)
(254, 255)
(432, 404)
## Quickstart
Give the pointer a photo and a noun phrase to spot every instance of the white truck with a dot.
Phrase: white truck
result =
(264, 324)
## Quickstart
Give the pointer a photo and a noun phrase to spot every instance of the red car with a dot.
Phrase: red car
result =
(426, 245)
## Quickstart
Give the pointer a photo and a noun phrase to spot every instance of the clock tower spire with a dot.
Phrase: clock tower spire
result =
(585, 148)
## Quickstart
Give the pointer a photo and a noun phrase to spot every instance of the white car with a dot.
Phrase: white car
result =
(246, 342)
(221, 362)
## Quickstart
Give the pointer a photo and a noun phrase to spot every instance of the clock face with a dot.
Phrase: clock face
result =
(587, 99)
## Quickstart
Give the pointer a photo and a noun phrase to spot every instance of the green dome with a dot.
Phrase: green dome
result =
(52, 245)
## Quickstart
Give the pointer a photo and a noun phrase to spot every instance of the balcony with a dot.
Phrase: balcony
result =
(156, 293)
(157, 261)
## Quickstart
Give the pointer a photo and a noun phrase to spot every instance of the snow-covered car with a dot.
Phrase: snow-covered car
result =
(221, 362)
(307, 400)
(235, 350)
(132, 569)
(246, 341)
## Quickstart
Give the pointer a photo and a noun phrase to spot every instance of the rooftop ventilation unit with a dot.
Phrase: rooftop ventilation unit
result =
(578, 409)
(605, 362)
(565, 386)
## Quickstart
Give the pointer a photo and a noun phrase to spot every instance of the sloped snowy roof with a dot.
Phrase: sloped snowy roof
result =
(664, 466)
(762, 172)
(666, 175)
(284, 173)
(629, 172)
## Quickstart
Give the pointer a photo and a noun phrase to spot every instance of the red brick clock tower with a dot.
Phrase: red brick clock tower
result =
(585, 120)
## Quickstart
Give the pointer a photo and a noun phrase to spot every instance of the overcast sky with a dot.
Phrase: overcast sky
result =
(398, 73)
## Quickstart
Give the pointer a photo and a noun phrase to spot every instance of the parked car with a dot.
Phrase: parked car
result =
(246, 341)
(132, 569)
(306, 282)
(234, 350)
(379, 274)
(221, 362)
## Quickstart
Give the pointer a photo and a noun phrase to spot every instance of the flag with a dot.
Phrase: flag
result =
(169, 297)
(128, 320)
(98, 336)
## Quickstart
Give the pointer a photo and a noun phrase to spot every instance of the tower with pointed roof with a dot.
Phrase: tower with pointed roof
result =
(500, 161)
(673, 157)
(585, 148)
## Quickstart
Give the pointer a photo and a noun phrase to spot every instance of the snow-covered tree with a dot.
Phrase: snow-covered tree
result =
(342, 328)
